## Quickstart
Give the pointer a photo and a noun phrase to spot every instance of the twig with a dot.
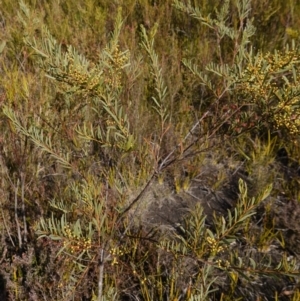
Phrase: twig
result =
(165, 160)
(3, 254)
(138, 197)
(23, 207)
(7, 230)
(16, 214)
(101, 272)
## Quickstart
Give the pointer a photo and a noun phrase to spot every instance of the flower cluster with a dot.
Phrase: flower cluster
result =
(272, 89)
(82, 77)
(115, 253)
(214, 246)
(224, 264)
(264, 75)
(118, 60)
(75, 243)
(288, 116)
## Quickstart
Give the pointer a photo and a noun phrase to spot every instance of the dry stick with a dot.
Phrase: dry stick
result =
(16, 214)
(3, 254)
(133, 203)
(165, 162)
(7, 230)
(4, 218)
(23, 207)
(101, 266)
(101, 272)
(138, 197)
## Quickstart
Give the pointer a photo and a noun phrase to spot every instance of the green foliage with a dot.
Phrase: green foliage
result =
(110, 109)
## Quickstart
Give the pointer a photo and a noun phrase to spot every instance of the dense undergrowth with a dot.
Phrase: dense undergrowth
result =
(149, 150)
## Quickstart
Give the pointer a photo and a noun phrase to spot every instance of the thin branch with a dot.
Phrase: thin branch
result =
(23, 206)
(16, 214)
(101, 272)
(165, 161)
(7, 229)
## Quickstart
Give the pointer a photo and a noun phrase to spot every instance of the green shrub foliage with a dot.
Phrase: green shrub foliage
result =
(149, 151)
